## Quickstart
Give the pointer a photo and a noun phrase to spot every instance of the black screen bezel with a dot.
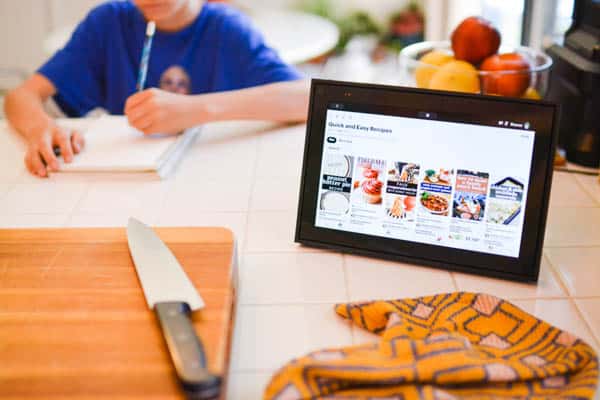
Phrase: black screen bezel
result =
(543, 118)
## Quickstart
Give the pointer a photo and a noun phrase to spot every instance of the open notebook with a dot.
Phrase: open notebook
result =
(112, 145)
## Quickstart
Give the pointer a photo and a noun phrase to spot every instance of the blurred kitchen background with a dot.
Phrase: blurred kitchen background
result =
(340, 39)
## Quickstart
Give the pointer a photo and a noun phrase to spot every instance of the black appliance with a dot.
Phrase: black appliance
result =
(575, 84)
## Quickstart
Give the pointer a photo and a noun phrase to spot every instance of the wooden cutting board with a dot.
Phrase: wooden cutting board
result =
(74, 322)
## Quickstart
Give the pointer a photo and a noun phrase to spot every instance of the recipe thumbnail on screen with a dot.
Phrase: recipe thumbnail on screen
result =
(505, 201)
(470, 193)
(401, 190)
(336, 184)
(367, 181)
(435, 191)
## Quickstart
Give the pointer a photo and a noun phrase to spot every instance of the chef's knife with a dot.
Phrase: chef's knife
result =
(173, 297)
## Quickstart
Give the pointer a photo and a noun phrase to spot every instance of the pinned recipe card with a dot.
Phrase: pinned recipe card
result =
(112, 145)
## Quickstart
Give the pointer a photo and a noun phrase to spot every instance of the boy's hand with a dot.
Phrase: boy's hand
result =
(158, 111)
(40, 157)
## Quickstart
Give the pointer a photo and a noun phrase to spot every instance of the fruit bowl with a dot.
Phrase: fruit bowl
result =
(530, 82)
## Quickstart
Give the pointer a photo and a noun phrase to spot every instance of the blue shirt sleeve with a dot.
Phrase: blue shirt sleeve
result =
(76, 70)
(249, 61)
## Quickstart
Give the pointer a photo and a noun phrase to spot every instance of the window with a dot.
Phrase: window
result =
(535, 23)
(506, 15)
(557, 22)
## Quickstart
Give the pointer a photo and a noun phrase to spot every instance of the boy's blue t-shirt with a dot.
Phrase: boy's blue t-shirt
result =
(219, 51)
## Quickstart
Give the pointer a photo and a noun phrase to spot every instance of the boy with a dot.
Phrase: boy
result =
(207, 60)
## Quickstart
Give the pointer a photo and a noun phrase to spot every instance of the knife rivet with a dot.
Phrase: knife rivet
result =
(182, 336)
(194, 364)
(172, 313)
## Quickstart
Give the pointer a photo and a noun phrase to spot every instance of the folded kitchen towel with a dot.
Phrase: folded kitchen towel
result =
(448, 346)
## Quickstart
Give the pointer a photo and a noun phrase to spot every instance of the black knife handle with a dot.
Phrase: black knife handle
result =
(187, 352)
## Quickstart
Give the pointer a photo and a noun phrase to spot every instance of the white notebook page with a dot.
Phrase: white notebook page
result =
(111, 144)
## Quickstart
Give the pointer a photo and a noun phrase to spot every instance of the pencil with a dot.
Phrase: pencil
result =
(150, 29)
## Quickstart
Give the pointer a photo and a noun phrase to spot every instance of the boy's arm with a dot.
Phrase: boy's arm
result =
(24, 108)
(154, 110)
(281, 102)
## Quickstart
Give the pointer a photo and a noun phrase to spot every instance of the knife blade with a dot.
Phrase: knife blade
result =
(172, 296)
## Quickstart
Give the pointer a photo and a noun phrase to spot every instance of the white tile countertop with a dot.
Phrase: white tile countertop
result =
(246, 176)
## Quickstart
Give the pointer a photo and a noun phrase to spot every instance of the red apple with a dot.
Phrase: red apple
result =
(475, 39)
(503, 82)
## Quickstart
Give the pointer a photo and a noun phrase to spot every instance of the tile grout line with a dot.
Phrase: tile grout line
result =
(228, 211)
(253, 371)
(454, 282)
(291, 252)
(587, 191)
(573, 179)
(10, 187)
(571, 246)
(162, 208)
(244, 246)
(348, 298)
(310, 251)
(583, 317)
(559, 207)
(290, 303)
(536, 298)
(71, 213)
(317, 303)
(35, 213)
(556, 274)
(346, 279)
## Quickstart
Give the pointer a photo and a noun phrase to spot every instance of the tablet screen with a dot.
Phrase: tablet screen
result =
(449, 180)
(426, 181)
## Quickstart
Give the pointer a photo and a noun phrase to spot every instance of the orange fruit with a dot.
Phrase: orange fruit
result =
(532, 94)
(457, 76)
(423, 73)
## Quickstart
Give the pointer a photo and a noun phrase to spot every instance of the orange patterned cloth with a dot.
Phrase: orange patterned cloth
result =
(448, 346)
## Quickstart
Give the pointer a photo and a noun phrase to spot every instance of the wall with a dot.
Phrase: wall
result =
(25, 24)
